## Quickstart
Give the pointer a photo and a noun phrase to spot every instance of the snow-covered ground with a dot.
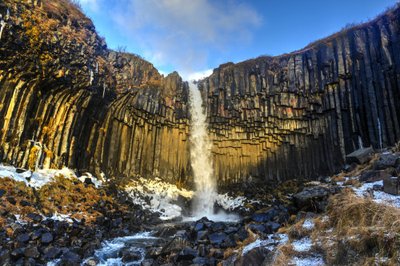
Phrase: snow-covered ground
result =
(378, 196)
(270, 243)
(41, 177)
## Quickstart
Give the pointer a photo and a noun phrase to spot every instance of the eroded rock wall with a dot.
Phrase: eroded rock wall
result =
(66, 100)
(299, 114)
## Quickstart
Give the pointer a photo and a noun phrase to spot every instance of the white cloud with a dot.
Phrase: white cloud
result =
(90, 4)
(184, 33)
(197, 75)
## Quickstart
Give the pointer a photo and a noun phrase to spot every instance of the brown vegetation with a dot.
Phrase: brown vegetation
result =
(354, 231)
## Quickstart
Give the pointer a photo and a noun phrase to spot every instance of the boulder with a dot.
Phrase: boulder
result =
(391, 185)
(262, 216)
(359, 156)
(187, 254)
(386, 160)
(32, 252)
(255, 257)
(46, 238)
(217, 238)
(314, 198)
(373, 176)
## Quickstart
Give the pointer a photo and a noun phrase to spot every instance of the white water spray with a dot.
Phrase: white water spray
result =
(200, 155)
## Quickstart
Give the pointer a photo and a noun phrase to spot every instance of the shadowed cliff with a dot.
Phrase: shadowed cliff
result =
(67, 100)
(299, 114)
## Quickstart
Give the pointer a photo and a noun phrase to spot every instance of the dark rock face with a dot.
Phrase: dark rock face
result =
(67, 100)
(298, 115)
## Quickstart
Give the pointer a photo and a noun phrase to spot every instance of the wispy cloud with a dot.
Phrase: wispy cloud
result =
(183, 34)
(90, 4)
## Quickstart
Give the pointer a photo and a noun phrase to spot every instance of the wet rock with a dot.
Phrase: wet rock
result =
(391, 185)
(129, 255)
(23, 238)
(257, 228)
(2, 192)
(373, 176)
(187, 254)
(17, 253)
(201, 235)
(51, 253)
(32, 252)
(242, 234)
(386, 161)
(199, 226)
(200, 261)
(217, 238)
(360, 156)
(46, 238)
(272, 227)
(70, 258)
(37, 218)
(262, 216)
(217, 226)
(147, 262)
(5, 256)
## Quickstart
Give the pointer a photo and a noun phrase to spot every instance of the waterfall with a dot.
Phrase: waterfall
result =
(200, 157)
(360, 142)
(380, 134)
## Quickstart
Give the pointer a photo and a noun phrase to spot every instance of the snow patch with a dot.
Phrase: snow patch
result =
(158, 196)
(61, 217)
(230, 203)
(378, 196)
(270, 243)
(308, 261)
(308, 224)
(302, 245)
(41, 177)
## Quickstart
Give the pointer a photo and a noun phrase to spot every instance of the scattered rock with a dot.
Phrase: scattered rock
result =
(217, 238)
(37, 218)
(70, 258)
(23, 238)
(314, 198)
(386, 161)
(373, 176)
(46, 238)
(360, 156)
(391, 185)
(32, 252)
(2, 192)
(187, 254)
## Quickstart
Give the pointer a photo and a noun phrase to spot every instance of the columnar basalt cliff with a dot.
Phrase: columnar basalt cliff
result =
(67, 100)
(298, 115)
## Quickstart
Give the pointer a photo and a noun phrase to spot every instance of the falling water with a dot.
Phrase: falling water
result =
(360, 142)
(380, 134)
(200, 155)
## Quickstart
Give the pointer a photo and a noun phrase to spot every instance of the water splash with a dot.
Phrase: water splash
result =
(200, 156)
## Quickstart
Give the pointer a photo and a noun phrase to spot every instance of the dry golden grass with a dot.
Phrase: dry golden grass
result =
(356, 231)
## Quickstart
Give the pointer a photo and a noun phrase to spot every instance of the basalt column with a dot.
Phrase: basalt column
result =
(298, 115)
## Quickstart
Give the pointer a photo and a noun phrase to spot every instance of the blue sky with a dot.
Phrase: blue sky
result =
(194, 36)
